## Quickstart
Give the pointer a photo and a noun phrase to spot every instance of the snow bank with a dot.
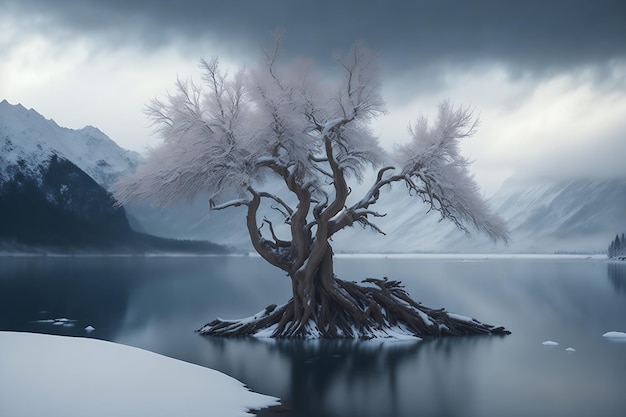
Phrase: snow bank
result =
(67, 376)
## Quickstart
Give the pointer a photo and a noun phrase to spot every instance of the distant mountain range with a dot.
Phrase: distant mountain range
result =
(574, 215)
(51, 175)
(543, 216)
(53, 194)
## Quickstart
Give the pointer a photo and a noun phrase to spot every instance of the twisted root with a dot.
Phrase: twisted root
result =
(379, 308)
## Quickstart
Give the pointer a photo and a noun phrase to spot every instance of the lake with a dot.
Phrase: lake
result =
(156, 303)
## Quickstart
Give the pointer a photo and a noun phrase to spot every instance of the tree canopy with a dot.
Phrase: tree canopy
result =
(234, 130)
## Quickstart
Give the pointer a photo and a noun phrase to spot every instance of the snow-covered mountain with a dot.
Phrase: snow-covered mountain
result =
(27, 140)
(543, 215)
(562, 215)
(53, 194)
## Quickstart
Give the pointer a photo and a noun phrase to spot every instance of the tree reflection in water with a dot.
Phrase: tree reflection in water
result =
(616, 272)
(360, 378)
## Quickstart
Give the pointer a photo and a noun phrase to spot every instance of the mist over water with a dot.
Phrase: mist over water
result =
(157, 303)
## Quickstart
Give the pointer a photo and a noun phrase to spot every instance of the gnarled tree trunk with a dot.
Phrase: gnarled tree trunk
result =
(324, 306)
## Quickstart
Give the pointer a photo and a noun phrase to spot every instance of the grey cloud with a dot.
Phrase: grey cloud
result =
(535, 36)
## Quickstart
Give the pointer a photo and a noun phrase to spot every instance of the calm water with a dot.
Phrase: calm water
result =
(157, 303)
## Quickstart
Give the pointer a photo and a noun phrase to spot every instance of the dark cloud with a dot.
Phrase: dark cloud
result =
(529, 36)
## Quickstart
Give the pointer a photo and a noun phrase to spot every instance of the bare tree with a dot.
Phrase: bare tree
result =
(235, 131)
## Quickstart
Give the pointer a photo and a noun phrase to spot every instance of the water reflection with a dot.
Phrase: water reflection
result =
(88, 291)
(617, 276)
(345, 378)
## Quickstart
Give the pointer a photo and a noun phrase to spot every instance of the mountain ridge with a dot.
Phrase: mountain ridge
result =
(52, 190)
(27, 136)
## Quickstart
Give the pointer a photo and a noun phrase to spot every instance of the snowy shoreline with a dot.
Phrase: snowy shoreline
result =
(72, 376)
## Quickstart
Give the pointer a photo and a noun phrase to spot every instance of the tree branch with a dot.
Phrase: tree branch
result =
(279, 201)
(232, 203)
(280, 243)
(321, 171)
(339, 183)
(360, 210)
(261, 245)
(366, 223)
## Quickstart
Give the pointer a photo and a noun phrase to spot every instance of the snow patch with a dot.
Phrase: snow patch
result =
(615, 335)
(460, 317)
(46, 375)
(267, 332)
(570, 349)
(425, 318)
(396, 333)
(550, 343)
(63, 321)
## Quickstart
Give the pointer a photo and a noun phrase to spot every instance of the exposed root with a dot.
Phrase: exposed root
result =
(377, 308)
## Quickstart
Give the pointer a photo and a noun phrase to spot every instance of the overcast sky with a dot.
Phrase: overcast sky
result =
(548, 78)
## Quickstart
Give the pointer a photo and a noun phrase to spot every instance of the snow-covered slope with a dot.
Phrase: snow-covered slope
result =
(562, 215)
(27, 140)
(542, 215)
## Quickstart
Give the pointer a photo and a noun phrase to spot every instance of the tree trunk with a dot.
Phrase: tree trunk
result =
(314, 289)
(308, 281)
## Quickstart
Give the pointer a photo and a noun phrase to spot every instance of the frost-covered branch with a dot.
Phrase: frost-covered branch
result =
(233, 203)
(360, 95)
(433, 169)
(439, 174)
